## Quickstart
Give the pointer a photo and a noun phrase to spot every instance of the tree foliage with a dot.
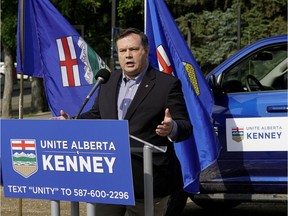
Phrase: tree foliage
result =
(8, 44)
(213, 24)
(94, 16)
(213, 39)
(264, 19)
(8, 23)
(214, 29)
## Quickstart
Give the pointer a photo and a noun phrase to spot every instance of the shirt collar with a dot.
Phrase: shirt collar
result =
(137, 79)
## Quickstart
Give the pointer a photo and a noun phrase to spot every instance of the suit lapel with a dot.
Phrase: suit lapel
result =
(145, 87)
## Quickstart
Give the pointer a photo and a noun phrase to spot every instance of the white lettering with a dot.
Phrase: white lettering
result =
(46, 162)
(78, 163)
(43, 190)
(97, 162)
(93, 145)
(110, 164)
(17, 189)
(59, 163)
(54, 144)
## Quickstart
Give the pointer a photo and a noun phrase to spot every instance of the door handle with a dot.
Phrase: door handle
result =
(277, 108)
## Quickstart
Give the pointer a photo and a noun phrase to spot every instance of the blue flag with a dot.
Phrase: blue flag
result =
(55, 51)
(169, 53)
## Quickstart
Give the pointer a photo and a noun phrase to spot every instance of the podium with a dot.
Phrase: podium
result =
(75, 161)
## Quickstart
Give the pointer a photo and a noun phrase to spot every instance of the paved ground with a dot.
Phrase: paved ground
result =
(33, 207)
(30, 207)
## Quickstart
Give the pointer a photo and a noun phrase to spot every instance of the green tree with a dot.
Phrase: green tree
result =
(214, 28)
(263, 19)
(213, 24)
(8, 42)
(94, 16)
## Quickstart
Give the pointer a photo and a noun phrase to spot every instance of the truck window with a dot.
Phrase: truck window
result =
(264, 70)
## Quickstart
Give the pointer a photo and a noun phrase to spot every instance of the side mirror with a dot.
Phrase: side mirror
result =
(212, 82)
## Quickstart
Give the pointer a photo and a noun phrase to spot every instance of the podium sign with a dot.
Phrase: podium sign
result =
(72, 160)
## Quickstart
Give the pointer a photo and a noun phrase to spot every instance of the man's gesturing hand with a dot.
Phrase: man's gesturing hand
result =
(166, 126)
(62, 116)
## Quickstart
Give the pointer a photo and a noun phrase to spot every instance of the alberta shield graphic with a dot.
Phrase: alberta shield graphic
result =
(238, 134)
(24, 157)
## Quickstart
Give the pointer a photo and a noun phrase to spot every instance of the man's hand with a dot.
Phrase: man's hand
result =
(166, 126)
(63, 116)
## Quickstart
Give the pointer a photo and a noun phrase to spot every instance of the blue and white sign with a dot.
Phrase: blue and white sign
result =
(72, 160)
(257, 134)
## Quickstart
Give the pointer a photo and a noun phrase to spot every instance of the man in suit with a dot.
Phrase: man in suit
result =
(154, 106)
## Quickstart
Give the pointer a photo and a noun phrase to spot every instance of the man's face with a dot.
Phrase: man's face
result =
(133, 58)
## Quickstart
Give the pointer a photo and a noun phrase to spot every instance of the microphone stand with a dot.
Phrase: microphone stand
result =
(99, 81)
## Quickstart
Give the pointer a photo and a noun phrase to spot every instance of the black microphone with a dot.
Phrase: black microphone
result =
(101, 77)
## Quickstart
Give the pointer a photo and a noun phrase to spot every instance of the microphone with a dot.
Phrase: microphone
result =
(101, 77)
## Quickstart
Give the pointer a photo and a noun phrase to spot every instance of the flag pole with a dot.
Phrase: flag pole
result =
(21, 81)
(113, 21)
(22, 60)
(145, 11)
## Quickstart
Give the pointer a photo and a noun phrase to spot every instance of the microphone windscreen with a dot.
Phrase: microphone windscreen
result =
(104, 73)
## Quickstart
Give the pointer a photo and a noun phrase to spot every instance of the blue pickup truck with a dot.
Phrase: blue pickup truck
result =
(250, 118)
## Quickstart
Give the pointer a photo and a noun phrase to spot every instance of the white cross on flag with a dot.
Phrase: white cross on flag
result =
(68, 62)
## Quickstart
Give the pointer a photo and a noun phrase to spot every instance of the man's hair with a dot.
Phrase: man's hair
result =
(124, 32)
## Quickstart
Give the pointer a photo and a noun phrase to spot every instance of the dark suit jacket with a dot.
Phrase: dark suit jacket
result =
(156, 92)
